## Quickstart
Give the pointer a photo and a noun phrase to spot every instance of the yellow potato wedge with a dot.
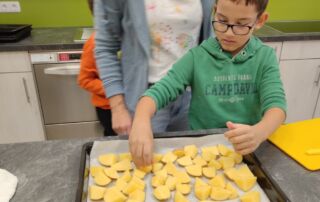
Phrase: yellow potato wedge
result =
(233, 191)
(183, 188)
(123, 156)
(108, 159)
(138, 195)
(169, 158)
(101, 179)
(113, 194)
(224, 150)
(179, 197)
(111, 172)
(218, 181)
(194, 170)
(226, 162)
(190, 150)
(253, 196)
(96, 192)
(182, 177)
(202, 192)
(219, 194)
(178, 152)
(123, 165)
(185, 161)
(209, 172)
(95, 169)
(198, 160)
(215, 163)
(156, 167)
(171, 182)
(162, 193)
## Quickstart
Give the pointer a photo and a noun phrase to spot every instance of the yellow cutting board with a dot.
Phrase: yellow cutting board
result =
(296, 140)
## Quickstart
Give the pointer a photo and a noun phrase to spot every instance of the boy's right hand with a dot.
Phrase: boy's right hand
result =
(141, 142)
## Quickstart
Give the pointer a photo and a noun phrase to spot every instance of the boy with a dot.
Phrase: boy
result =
(235, 83)
(89, 80)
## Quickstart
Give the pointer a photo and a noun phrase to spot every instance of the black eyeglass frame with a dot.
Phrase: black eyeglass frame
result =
(231, 25)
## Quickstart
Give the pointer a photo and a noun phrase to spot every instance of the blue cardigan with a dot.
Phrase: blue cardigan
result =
(122, 25)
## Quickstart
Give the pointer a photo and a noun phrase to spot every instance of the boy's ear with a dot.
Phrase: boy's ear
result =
(262, 20)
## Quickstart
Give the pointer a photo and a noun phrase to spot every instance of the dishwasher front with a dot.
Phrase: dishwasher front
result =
(66, 108)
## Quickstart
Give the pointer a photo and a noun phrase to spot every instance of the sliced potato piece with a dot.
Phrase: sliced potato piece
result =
(231, 173)
(183, 188)
(178, 152)
(113, 194)
(226, 162)
(123, 156)
(138, 196)
(179, 197)
(198, 160)
(107, 159)
(156, 167)
(139, 173)
(207, 154)
(111, 172)
(95, 169)
(170, 168)
(194, 170)
(215, 163)
(162, 193)
(218, 181)
(121, 184)
(157, 158)
(185, 161)
(123, 165)
(169, 158)
(233, 191)
(245, 183)
(252, 196)
(96, 192)
(146, 169)
(171, 182)
(101, 179)
(224, 150)
(209, 172)
(190, 150)
(199, 182)
(202, 192)
(134, 184)
(126, 176)
(182, 177)
(219, 194)
(158, 180)
(237, 157)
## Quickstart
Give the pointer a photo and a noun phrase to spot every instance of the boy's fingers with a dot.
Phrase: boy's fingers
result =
(242, 146)
(230, 125)
(239, 139)
(245, 151)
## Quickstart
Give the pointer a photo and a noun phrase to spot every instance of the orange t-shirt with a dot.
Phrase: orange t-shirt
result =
(88, 77)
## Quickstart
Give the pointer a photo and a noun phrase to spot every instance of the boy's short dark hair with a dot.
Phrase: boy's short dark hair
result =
(261, 5)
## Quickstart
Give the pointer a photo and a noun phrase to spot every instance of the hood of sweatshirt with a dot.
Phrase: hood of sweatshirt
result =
(213, 47)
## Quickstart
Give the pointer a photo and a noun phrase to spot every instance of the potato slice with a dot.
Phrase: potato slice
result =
(134, 184)
(209, 172)
(202, 192)
(219, 194)
(198, 160)
(123, 165)
(171, 182)
(111, 172)
(223, 150)
(121, 184)
(113, 194)
(245, 183)
(157, 158)
(96, 192)
(162, 193)
(185, 161)
(218, 181)
(199, 182)
(101, 179)
(183, 188)
(95, 169)
(158, 180)
(182, 177)
(146, 169)
(179, 197)
(124, 156)
(215, 163)
(226, 162)
(156, 167)
(190, 150)
(126, 176)
(139, 173)
(170, 168)
(207, 154)
(237, 157)
(178, 152)
(244, 170)
(231, 173)
(169, 158)
(163, 173)
(233, 191)
(252, 196)
(108, 159)
(194, 170)
(138, 196)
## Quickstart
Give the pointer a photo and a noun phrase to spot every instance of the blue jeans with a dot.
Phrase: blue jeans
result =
(173, 117)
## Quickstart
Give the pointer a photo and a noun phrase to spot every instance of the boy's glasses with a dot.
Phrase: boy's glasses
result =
(236, 29)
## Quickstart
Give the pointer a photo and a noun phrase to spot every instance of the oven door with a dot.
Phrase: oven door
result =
(67, 111)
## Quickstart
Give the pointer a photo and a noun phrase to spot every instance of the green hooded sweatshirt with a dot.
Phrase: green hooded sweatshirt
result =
(224, 88)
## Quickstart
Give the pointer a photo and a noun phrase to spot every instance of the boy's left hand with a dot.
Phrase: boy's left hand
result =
(245, 138)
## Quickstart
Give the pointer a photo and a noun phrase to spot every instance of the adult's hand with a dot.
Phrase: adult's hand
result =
(121, 118)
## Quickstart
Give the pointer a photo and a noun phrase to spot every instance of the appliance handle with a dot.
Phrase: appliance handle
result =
(318, 77)
(24, 81)
(66, 70)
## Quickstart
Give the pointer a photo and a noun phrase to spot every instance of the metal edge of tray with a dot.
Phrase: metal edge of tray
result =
(268, 185)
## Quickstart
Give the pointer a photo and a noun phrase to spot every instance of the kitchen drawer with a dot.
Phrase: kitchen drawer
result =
(14, 62)
(300, 50)
(74, 130)
(277, 46)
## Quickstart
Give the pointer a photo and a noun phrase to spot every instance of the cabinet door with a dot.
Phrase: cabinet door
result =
(300, 80)
(20, 119)
(277, 46)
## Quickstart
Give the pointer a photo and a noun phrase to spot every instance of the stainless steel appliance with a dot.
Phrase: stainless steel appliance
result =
(66, 108)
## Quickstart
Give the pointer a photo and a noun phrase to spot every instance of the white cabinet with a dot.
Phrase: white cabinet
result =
(277, 46)
(300, 73)
(20, 117)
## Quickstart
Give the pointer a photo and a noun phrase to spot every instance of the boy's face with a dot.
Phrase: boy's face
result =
(236, 13)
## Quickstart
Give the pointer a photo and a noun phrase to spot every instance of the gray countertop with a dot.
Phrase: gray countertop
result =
(49, 171)
(63, 39)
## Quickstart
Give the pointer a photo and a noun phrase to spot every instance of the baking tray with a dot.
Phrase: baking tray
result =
(271, 189)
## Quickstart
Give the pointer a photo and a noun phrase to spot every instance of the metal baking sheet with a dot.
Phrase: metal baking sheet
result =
(269, 191)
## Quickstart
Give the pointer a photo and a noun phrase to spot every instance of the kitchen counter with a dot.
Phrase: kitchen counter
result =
(49, 171)
(63, 39)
